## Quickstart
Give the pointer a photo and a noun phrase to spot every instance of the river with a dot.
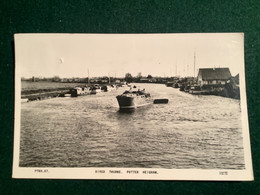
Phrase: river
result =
(190, 132)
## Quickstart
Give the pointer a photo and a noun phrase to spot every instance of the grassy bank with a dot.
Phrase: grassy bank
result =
(34, 86)
(42, 90)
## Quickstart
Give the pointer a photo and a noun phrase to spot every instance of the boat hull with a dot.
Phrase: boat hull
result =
(95, 91)
(128, 102)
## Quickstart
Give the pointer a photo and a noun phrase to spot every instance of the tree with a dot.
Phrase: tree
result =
(128, 77)
(56, 79)
(149, 76)
(139, 75)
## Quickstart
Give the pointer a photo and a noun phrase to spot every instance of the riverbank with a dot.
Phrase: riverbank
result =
(32, 91)
(230, 90)
(43, 90)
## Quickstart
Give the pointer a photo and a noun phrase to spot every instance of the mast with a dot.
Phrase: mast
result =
(176, 70)
(194, 62)
(188, 70)
(88, 76)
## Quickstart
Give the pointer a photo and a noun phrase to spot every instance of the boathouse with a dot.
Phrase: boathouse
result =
(213, 76)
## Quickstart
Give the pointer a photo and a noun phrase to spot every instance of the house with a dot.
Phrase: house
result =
(76, 80)
(144, 80)
(64, 80)
(213, 76)
(105, 80)
(153, 80)
(118, 81)
(35, 79)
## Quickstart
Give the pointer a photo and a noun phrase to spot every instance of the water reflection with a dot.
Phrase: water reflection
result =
(126, 111)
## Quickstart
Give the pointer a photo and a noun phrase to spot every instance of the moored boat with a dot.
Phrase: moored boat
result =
(182, 87)
(196, 90)
(134, 99)
(78, 91)
(95, 89)
(169, 84)
(187, 88)
(106, 88)
(75, 92)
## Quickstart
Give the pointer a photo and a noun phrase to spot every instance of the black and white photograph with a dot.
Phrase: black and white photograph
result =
(131, 106)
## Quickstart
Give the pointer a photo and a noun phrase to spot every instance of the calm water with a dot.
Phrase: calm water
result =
(90, 131)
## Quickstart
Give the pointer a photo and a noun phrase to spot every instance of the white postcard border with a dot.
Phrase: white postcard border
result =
(132, 173)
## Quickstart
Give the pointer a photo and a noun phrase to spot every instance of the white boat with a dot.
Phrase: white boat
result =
(78, 91)
(95, 89)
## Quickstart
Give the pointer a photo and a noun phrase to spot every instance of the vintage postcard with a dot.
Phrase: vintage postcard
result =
(131, 106)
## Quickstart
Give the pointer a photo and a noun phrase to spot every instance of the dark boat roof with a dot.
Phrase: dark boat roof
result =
(139, 92)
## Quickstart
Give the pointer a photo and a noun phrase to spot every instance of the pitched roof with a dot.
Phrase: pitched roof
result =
(215, 73)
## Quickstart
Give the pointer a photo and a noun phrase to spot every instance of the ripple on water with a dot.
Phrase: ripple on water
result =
(90, 131)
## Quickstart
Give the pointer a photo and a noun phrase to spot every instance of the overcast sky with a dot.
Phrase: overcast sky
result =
(72, 55)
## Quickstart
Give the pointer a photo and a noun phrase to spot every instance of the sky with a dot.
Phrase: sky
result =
(74, 55)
